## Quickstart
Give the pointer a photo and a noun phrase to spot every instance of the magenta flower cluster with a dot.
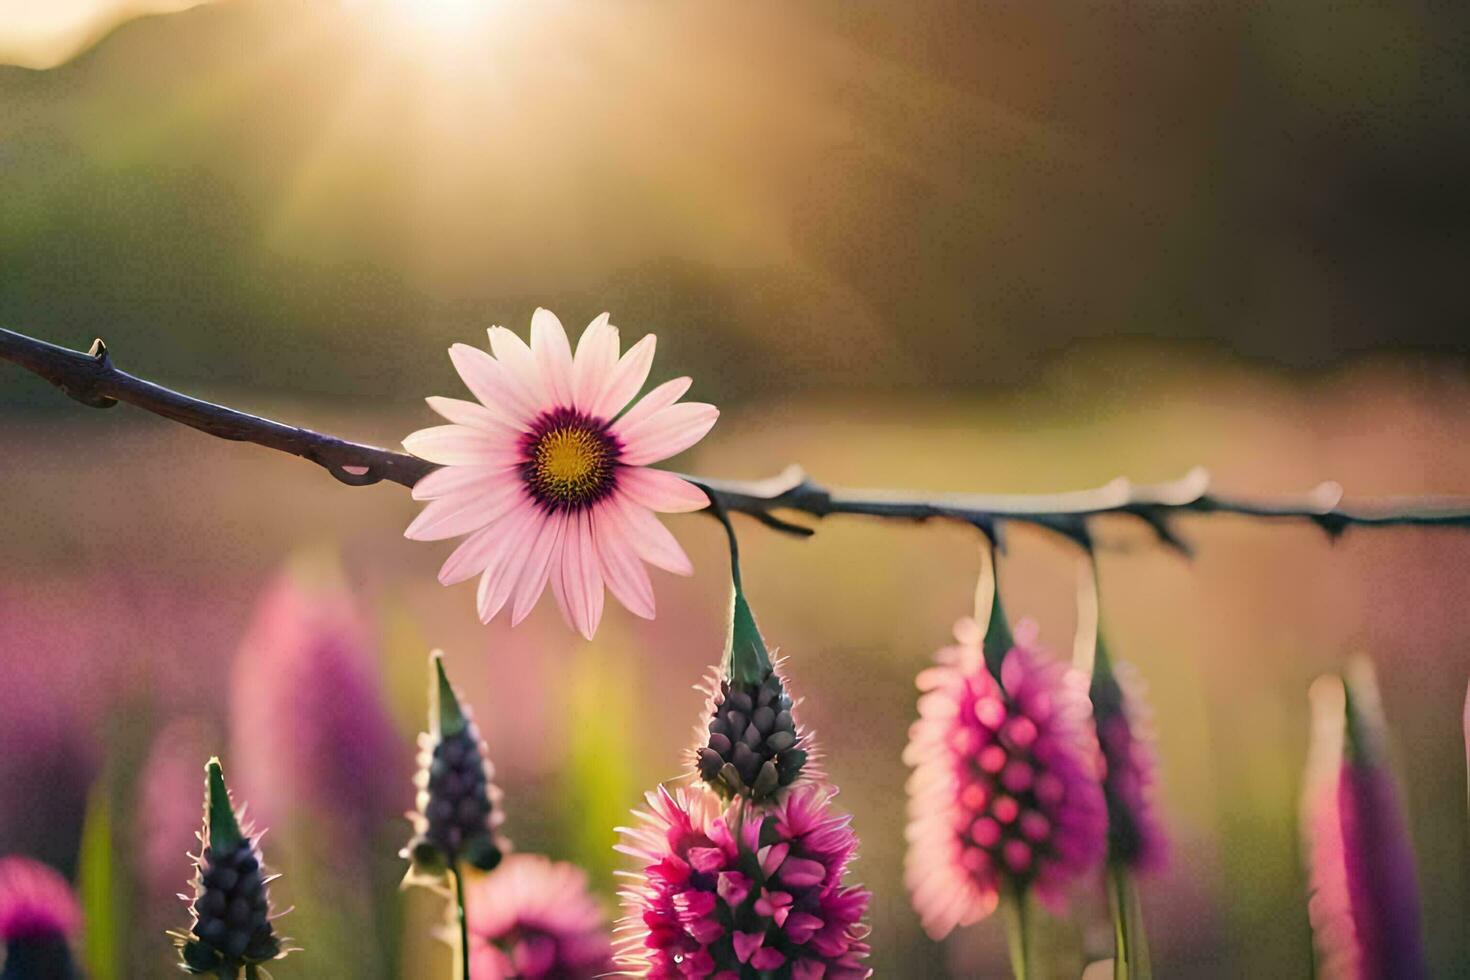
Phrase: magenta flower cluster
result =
(1006, 791)
(742, 891)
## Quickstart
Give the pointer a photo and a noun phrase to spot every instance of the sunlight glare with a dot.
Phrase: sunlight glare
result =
(443, 19)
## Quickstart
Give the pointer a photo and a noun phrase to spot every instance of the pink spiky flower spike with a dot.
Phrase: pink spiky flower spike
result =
(1364, 898)
(741, 873)
(1006, 799)
(1137, 842)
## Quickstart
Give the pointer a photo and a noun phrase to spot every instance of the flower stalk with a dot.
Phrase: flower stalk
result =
(1018, 931)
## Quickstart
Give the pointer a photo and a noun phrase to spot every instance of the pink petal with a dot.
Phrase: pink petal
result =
(661, 397)
(650, 539)
(581, 583)
(447, 480)
(625, 379)
(504, 572)
(666, 432)
(621, 569)
(518, 368)
(661, 491)
(746, 943)
(460, 445)
(597, 356)
(538, 566)
(449, 517)
(472, 414)
(476, 552)
(486, 379)
(553, 355)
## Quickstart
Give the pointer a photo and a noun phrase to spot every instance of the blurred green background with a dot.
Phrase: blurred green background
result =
(983, 247)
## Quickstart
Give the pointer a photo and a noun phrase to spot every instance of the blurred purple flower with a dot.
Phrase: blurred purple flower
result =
(167, 814)
(1136, 837)
(39, 915)
(308, 726)
(743, 891)
(1006, 786)
(533, 919)
(1364, 903)
(79, 649)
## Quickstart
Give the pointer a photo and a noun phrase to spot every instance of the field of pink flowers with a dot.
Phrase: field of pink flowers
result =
(167, 598)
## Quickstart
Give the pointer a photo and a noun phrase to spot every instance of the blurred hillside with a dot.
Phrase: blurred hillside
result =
(294, 194)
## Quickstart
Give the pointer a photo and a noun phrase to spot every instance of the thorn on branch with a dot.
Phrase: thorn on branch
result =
(1157, 518)
(786, 527)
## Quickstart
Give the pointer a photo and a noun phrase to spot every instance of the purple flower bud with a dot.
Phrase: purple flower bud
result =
(38, 916)
(749, 743)
(1364, 903)
(232, 928)
(458, 812)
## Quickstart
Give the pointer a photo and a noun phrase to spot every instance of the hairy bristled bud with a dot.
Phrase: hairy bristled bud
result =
(743, 891)
(749, 744)
(1364, 904)
(752, 745)
(232, 928)
(38, 917)
(458, 805)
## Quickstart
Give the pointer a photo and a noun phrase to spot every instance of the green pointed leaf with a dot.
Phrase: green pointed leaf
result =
(98, 889)
(1131, 960)
(746, 658)
(447, 717)
(998, 639)
(224, 829)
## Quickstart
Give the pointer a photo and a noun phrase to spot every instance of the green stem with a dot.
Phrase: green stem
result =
(1018, 932)
(464, 929)
(1130, 959)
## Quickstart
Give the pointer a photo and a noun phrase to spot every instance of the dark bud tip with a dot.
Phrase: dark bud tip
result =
(482, 853)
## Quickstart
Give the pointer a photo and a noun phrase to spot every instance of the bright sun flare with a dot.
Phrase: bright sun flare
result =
(442, 18)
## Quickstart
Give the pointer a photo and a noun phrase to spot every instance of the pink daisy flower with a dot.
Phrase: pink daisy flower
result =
(1364, 898)
(1006, 785)
(549, 480)
(533, 919)
(743, 891)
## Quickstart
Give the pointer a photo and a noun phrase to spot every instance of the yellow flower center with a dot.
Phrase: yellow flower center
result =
(570, 464)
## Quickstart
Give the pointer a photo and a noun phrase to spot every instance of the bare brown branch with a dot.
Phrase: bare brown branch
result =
(92, 379)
